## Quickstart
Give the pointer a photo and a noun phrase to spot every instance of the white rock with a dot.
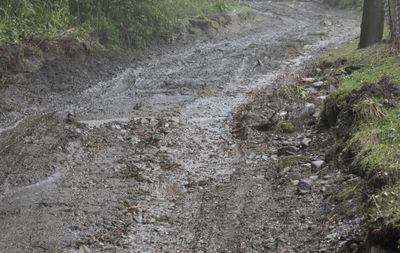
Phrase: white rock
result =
(317, 164)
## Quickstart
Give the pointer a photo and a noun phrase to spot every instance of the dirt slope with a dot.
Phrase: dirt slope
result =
(146, 161)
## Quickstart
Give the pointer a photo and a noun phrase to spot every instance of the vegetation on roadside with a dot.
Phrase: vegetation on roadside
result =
(116, 23)
(366, 106)
(344, 3)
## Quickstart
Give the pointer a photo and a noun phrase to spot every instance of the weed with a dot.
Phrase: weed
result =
(284, 127)
(293, 91)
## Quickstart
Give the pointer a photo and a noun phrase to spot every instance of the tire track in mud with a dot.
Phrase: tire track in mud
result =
(149, 163)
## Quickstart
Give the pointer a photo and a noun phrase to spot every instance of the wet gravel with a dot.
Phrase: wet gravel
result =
(151, 161)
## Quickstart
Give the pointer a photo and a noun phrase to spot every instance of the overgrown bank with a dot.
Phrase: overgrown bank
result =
(365, 111)
(116, 23)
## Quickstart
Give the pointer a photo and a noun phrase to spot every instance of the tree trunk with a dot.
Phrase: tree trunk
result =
(394, 13)
(372, 22)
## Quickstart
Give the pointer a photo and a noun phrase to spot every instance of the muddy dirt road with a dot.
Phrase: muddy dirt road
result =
(146, 161)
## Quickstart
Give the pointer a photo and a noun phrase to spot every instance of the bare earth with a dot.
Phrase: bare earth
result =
(152, 160)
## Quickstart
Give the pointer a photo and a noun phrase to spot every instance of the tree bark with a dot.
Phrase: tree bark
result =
(372, 22)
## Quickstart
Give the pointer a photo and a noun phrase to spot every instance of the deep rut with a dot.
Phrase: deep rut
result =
(146, 162)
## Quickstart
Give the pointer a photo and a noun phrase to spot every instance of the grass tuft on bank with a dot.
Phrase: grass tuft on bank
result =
(115, 23)
(366, 109)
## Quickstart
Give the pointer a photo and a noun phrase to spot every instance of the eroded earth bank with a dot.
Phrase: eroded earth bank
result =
(162, 156)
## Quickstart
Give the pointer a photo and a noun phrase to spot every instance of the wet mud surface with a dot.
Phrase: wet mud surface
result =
(152, 160)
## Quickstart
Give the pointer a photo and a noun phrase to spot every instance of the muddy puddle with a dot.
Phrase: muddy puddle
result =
(129, 164)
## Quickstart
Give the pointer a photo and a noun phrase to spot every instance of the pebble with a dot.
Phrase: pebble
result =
(174, 119)
(314, 177)
(309, 105)
(295, 182)
(264, 157)
(283, 113)
(288, 150)
(317, 164)
(308, 165)
(306, 142)
(311, 90)
(353, 246)
(304, 185)
(318, 84)
(84, 249)
(322, 97)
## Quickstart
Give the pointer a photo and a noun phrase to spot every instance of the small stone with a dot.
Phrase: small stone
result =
(322, 97)
(304, 185)
(295, 182)
(318, 84)
(308, 80)
(283, 172)
(84, 249)
(174, 119)
(313, 178)
(327, 177)
(274, 157)
(283, 113)
(317, 164)
(353, 246)
(264, 157)
(316, 114)
(309, 105)
(288, 150)
(307, 165)
(311, 90)
(306, 142)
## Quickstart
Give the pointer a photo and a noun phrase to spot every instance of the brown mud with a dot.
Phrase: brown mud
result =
(156, 151)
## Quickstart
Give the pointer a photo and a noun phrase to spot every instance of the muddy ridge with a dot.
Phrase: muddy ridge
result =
(158, 152)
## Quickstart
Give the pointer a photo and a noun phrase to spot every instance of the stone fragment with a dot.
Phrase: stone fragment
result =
(287, 150)
(318, 84)
(304, 185)
(317, 164)
(306, 142)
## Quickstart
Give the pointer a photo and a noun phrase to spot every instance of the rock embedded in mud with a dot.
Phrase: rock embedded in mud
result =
(317, 164)
(174, 119)
(306, 142)
(304, 185)
(318, 84)
(287, 150)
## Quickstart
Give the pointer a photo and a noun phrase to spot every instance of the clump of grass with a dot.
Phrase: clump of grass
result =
(293, 91)
(284, 126)
(376, 60)
(370, 144)
(385, 216)
(368, 109)
(117, 23)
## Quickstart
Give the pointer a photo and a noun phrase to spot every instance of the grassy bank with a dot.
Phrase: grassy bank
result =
(116, 23)
(365, 108)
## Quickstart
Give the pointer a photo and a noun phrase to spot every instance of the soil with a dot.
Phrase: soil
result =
(158, 151)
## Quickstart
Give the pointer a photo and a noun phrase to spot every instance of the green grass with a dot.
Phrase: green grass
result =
(371, 147)
(117, 23)
(375, 61)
